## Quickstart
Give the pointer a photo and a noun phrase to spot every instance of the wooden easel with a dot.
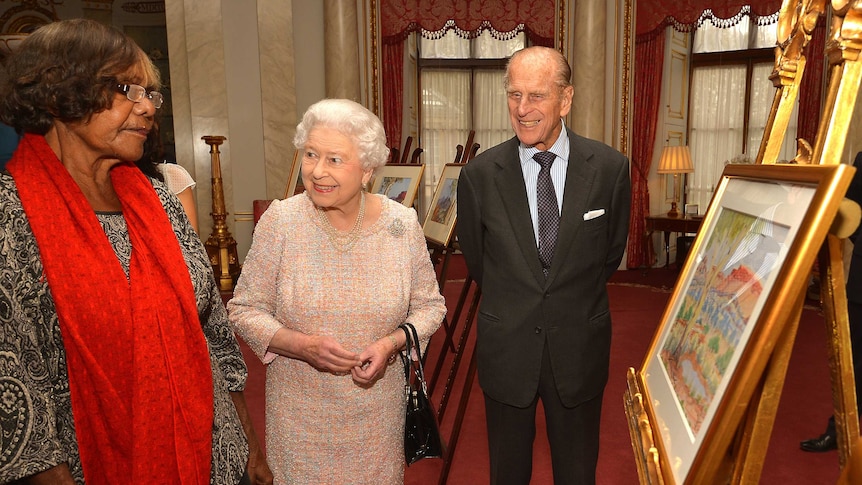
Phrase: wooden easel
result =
(451, 353)
(440, 253)
(742, 462)
(414, 158)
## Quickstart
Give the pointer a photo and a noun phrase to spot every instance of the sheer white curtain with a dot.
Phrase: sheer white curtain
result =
(487, 47)
(450, 46)
(490, 109)
(714, 39)
(762, 94)
(454, 101)
(743, 35)
(717, 104)
(445, 122)
(716, 124)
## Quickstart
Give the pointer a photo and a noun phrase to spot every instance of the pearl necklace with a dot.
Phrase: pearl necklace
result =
(343, 242)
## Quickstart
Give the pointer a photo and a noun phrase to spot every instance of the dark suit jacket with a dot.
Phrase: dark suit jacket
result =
(519, 307)
(854, 275)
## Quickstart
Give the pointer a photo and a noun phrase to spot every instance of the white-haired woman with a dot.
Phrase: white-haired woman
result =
(330, 275)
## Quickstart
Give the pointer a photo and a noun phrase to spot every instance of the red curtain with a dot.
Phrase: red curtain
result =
(393, 95)
(811, 87)
(399, 18)
(649, 59)
(654, 15)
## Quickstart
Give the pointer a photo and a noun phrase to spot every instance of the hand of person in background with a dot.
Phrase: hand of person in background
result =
(258, 469)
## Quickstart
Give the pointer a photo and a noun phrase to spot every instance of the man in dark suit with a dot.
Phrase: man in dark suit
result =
(544, 326)
(829, 439)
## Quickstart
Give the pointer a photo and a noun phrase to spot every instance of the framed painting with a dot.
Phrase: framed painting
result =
(748, 267)
(294, 180)
(399, 181)
(440, 219)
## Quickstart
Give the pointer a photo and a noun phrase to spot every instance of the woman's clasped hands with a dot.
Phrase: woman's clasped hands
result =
(327, 355)
(375, 359)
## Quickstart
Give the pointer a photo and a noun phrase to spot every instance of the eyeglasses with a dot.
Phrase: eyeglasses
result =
(136, 93)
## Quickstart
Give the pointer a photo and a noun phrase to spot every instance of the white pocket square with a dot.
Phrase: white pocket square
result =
(593, 214)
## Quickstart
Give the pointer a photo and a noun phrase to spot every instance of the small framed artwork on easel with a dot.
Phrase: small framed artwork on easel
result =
(440, 220)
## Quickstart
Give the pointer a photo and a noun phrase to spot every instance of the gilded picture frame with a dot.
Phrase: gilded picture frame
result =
(294, 180)
(440, 219)
(747, 269)
(399, 182)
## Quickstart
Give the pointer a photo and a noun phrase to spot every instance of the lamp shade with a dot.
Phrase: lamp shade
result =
(675, 160)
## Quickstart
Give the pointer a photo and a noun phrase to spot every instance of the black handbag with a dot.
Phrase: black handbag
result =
(421, 432)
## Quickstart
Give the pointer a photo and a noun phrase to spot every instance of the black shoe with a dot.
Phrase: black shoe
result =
(826, 442)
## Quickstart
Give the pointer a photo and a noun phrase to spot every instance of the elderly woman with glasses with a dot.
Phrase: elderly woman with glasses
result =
(117, 362)
(330, 275)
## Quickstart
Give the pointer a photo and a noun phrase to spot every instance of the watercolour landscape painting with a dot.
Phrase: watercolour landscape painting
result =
(395, 188)
(725, 288)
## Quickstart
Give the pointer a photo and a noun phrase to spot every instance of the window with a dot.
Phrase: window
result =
(461, 85)
(731, 97)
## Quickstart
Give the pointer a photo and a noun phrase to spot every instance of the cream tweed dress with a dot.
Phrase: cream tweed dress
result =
(322, 428)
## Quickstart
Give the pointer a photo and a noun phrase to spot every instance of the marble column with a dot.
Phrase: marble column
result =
(341, 50)
(199, 96)
(278, 90)
(588, 68)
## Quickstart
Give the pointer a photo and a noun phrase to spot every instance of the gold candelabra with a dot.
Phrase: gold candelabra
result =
(220, 246)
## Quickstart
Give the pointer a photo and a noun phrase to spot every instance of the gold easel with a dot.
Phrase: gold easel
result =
(845, 72)
(742, 461)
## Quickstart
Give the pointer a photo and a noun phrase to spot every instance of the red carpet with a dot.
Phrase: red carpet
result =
(637, 302)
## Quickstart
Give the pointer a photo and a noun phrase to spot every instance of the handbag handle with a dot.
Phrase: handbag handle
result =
(411, 345)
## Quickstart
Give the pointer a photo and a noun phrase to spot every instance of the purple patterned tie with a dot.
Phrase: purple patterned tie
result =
(549, 214)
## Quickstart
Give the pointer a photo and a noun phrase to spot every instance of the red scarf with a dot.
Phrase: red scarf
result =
(138, 363)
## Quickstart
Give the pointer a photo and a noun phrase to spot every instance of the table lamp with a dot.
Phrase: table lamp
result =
(675, 160)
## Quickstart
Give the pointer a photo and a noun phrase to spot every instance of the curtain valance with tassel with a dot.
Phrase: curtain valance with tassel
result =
(501, 18)
(686, 15)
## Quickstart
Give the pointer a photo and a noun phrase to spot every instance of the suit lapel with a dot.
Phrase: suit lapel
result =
(579, 181)
(510, 181)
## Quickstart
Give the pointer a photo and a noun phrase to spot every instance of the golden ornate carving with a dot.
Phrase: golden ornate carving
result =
(561, 31)
(28, 16)
(804, 151)
(641, 432)
(796, 22)
(220, 246)
(845, 72)
(626, 76)
(833, 297)
(844, 39)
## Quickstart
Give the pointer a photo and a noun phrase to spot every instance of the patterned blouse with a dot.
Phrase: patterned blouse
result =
(37, 429)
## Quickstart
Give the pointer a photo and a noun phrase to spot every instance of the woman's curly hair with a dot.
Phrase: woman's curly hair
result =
(68, 71)
(352, 120)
